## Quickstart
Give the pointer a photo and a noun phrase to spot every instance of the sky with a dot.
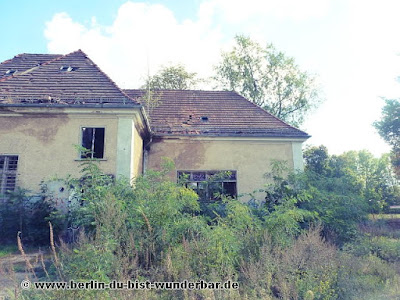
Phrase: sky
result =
(352, 46)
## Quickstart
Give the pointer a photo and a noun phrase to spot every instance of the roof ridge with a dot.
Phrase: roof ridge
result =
(104, 74)
(173, 90)
(10, 59)
(45, 67)
(21, 54)
(177, 112)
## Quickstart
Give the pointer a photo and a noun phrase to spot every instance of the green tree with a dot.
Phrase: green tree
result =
(373, 176)
(317, 159)
(366, 176)
(172, 78)
(269, 79)
(389, 129)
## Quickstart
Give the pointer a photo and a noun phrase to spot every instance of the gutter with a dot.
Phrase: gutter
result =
(97, 105)
(227, 135)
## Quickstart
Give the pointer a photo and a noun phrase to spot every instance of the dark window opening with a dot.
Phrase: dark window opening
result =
(210, 185)
(8, 174)
(93, 141)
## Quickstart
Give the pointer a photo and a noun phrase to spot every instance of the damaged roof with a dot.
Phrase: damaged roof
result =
(211, 113)
(73, 79)
(57, 79)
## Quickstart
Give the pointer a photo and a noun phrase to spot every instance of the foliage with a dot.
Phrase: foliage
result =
(389, 126)
(155, 230)
(317, 159)
(269, 79)
(284, 222)
(368, 177)
(308, 269)
(341, 189)
(174, 77)
(338, 207)
(299, 200)
(28, 215)
(388, 249)
(365, 277)
(6, 250)
(389, 129)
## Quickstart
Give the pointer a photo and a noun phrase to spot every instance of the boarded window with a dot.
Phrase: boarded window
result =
(8, 173)
(93, 141)
(210, 185)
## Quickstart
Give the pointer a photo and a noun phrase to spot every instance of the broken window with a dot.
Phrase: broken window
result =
(8, 173)
(93, 141)
(210, 185)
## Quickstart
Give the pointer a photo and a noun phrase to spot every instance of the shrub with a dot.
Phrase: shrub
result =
(155, 230)
(388, 249)
(362, 276)
(26, 214)
(308, 266)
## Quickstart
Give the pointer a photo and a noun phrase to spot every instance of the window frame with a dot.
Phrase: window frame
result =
(207, 197)
(80, 157)
(5, 172)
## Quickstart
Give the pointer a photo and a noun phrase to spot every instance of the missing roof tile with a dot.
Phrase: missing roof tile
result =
(10, 71)
(68, 68)
(204, 118)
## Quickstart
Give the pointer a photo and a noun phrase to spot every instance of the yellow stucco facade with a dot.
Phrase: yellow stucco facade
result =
(249, 157)
(44, 140)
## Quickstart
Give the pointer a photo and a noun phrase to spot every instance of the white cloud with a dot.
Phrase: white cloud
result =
(363, 69)
(142, 37)
(63, 33)
(352, 44)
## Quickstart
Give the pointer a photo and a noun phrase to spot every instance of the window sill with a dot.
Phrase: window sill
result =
(85, 159)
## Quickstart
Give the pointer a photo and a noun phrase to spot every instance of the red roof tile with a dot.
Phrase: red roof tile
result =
(184, 112)
(75, 79)
(23, 62)
(62, 79)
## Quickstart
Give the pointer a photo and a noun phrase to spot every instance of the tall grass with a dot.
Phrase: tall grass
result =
(156, 231)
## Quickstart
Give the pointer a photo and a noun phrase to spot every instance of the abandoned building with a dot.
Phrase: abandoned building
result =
(50, 104)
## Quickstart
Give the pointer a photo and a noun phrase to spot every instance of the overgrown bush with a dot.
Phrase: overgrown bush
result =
(297, 200)
(387, 249)
(365, 277)
(155, 230)
(25, 214)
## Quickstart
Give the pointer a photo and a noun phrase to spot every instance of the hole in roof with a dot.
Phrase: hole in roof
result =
(204, 118)
(68, 68)
(10, 71)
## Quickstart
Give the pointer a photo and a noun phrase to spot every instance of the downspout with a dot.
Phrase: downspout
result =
(146, 146)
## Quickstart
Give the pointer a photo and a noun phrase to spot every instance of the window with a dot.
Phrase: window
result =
(8, 173)
(210, 185)
(93, 141)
